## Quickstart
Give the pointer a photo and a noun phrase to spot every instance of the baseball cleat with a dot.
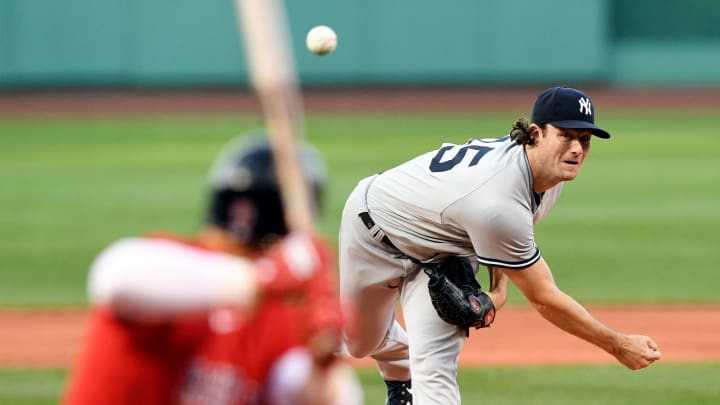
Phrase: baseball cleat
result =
(399, 392)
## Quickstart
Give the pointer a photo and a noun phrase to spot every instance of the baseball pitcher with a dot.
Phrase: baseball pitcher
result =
(417, 232)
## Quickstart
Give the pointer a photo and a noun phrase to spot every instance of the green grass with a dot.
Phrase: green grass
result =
(31, 387)
(640, 225)
(670, 384)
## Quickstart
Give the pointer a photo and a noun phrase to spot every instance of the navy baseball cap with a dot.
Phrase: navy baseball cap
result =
(565, 107)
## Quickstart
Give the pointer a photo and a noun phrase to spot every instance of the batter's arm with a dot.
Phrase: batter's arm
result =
(537, 284)
(147, 279)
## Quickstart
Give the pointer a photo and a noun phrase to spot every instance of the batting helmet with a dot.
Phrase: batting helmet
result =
(244, 192)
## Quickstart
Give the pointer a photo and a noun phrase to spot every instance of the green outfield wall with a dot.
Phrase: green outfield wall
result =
(189, 42)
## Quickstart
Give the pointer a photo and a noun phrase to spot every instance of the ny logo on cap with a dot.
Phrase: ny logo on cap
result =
(585, 106)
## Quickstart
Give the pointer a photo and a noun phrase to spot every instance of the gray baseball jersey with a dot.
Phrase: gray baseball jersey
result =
(471, 199)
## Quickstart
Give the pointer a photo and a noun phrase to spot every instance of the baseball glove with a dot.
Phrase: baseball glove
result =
(457, 295)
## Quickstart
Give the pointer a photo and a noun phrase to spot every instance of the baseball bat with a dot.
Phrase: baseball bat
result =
(274, 78)
(273, 75)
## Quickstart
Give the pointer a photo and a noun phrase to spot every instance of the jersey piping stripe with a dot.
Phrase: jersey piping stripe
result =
(511, 265)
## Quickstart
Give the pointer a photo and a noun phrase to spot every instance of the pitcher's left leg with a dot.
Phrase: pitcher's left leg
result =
(434, 346)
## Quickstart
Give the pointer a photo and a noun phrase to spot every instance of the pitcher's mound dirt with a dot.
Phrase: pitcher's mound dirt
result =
(518, 337)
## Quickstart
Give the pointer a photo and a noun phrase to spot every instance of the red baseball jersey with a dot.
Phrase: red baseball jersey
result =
(220, 356)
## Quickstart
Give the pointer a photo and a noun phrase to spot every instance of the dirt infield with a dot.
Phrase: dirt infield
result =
(518, 337)
(388, 101)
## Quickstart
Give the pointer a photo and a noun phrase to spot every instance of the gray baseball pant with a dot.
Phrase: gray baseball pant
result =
(373, 277)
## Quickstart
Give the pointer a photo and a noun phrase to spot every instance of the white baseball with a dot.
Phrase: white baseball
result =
(321, 40)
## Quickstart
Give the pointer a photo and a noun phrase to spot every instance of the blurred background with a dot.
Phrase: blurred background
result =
(185, 43)
(111, 113)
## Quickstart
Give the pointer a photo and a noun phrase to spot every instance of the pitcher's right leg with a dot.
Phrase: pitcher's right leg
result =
(371, 277)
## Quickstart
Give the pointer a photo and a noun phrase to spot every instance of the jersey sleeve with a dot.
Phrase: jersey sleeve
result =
(144, 277)
(505, 238)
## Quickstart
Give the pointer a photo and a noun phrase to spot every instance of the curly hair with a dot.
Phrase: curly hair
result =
(520, 132)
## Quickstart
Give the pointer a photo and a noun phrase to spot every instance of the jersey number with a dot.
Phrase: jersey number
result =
(437, 165)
